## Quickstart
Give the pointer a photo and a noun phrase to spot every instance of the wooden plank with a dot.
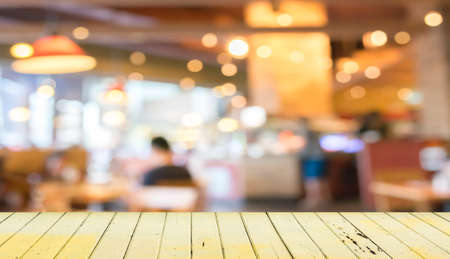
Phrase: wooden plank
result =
(389, 243)
(205, 236)
(416, 242)
(28, 235)
(147, 236)
(115, 240)
(432, 234)
(83, 242)
(296, 239)
(176, 241)
(235, 241)
(264, 238)
(14, 223)
(4, 215)
(49, 245)
(327, 241)
(444, 215)
(352, 237)
(434, 220)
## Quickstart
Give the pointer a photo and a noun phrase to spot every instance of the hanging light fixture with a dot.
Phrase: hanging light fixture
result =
(55, 54)
(116, 95)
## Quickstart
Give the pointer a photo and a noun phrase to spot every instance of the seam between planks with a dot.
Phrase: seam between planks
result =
(104, 231)
(306, 232)
(428, 223)
(389, 232)
(222, 249)
(37, 214)
(72, 235)
(132, 234)
(7, 217)
(191, 250)
(441, 216)
(278, 234)
(380, 247)
(43, 234)
(162, 234)
(437, 245)
(329, 228)
(248, 235)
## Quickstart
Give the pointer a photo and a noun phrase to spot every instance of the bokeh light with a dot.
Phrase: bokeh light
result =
(21, 50)
(343, 77)
(228, 89)
(187, 83)
(136, 76)
(263, 51)
(357, 92)
(238, 47)
(114, 118)
(209, 40)
(19, 114)
(433, 19)
(228, 125)
(404, 94)
(372, 72)
(80, 33)
(402, 37)
(284, 19)
(229, 69)
(137, 58)
(238, 101)
(46, 91)
(195, 65)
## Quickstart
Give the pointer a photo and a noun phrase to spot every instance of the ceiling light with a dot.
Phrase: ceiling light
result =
(238, 47)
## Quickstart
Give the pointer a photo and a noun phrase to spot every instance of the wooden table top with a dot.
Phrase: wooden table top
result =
(110, 235)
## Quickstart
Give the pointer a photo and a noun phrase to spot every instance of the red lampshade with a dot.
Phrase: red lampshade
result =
(55, 54)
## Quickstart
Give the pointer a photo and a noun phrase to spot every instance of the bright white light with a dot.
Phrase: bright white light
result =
(19, 114)
(114, 118)
(253, 116)
(192, 120)
(238, 47)
(228, 125)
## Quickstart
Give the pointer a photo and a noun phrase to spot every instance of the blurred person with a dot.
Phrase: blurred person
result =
(59, 168)
(313, 168)
(373, 127)
(164, 171)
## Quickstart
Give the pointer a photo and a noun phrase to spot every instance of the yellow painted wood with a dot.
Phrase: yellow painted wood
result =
(297, 241)
(351, 236)
(13, 224)
(390, 244)
(147, 236)
(83, 242)
(434, 220)
(28, 235)
(115, 240)
(49, 245)
(444, 215)
(4, 215)
(329, 244)
(264, 238)
(416, 242)
(205, 236)
(176, 241)
(437, 237)
(234, 238)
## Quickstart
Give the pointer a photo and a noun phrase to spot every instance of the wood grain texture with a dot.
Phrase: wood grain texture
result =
(294, 237)
(176, 241)
(147, 236)
(416, 242)
(389, 243)
(264, 238)
(24, 239)
(114, 242)
(205, 236)
(84, 240)
(234, 238)
(328, 242)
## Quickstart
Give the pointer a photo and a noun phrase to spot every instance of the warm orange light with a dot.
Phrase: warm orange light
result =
(343, 77)
(115, 96)
(209, 40)
(187, 83)
(297, 56)
(404, 94)
(224, 58)
(194, 65)
(433, 19)
(238, 47)
(137, 58)
(229, 69)
(228, 89)
(19, 114)
(80, 33)
(228, 125)
(21, 50)
(46, 91)
(264, 51)
(136, 76)
(357, 92)
(284, 19)
(372, 72)
(378, 38)
(402, 37)
(55, 54)
(350, 66)
(238, 101)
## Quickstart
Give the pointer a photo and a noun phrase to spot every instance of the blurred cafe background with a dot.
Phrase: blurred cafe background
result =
(225, 105)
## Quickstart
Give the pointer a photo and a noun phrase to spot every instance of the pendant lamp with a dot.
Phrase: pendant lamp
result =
(55, 54)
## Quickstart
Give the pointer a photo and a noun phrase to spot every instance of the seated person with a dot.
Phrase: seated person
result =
(164, 171)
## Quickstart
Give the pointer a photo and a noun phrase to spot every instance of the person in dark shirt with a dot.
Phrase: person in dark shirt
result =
(164, 171)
